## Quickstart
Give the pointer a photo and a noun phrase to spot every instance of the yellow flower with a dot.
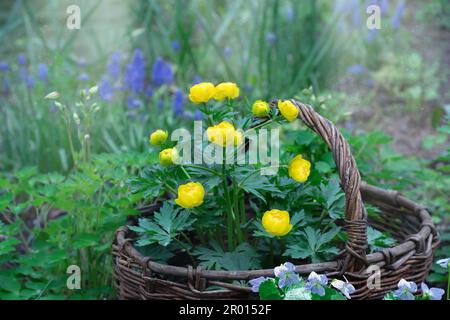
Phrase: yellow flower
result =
(277, 222)
(288, 110)
(190, 195)
(299, 169)
(158, 137)
(201, 92)
(226, 90)
(260, 108)
(223, 133)
(168, 156)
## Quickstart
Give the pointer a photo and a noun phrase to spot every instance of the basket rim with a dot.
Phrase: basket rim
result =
(427, 228)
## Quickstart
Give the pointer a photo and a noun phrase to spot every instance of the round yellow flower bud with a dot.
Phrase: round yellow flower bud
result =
(158, 137)
(224, 133)
(201, 92)
(277, 222)
(299, 169)
(260, 108)
(288, 110)
(168, 156)
(190, 195)
(226, 90)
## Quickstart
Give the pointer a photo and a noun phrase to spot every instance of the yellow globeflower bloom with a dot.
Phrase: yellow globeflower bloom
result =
(201, 92)
(299, 168)
(158, 137)
(260, 108)
(277, 222)
(226, 90)
(190, 195)
(288, 110)
(168, 156)
(224, 133)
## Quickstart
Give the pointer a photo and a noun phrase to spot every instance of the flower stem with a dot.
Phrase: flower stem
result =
(228, 204)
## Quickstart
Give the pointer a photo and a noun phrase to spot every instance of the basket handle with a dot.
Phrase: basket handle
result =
(350, 179)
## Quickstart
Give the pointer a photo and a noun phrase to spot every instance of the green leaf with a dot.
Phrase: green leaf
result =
(163, 227)
(85, 241)
(268, 290)
(297, 293)
(322, 167)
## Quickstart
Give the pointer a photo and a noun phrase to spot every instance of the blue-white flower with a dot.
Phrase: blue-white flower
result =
(255, 283)
(345, 287)
(405, 290)
(316, 283)
(444, 263)
(431, 293)
(286, 275)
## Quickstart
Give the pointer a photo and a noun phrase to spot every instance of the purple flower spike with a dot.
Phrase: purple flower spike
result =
(431, 293)
(255, 283)
(316, 283)
(405, 290)
(4, 66)
(178, 102)
(114, 66)
(21, 59)
(43, 72)
(83, 76)
(105, 89)
(286, 275)
(162, 73)
(135, 72)
(175, 45)
(356, 69)
(198, 115)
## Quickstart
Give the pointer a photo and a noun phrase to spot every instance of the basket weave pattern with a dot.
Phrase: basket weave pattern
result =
(138, 277)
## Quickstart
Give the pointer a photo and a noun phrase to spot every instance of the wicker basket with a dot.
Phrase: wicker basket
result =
(138, 277)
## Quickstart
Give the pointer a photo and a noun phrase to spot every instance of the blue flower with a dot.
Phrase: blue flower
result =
(271, 37)
(4, 66)
(198, 115)
(286, 275)
(290, 14)
(316, 283)
(405, 290)
(114, 66)
(345, 287)
(356, 69)
(149, 91)
(133, 103)
(175, 45)
(356, 16)
(135, 72)
(384, 6)
(227, 51)
(83, 76)
(444, 263)
(21, 59)
(396, 18)
(43, 72)
(255, 283)
(197, 79)
(431, 293)
(162, 72)
(105, 89)
(178, 102)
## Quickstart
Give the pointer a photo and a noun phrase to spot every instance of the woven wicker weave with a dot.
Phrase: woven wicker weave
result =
(138, 277)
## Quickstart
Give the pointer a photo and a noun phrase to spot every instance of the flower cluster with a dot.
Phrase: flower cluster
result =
(407, 290)
(276, 222)
(288, 285)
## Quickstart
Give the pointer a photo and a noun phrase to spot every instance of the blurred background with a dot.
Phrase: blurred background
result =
(387, 89)
(141, 53)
